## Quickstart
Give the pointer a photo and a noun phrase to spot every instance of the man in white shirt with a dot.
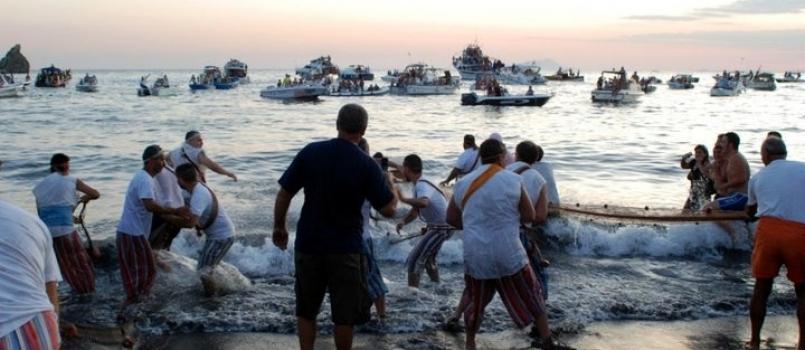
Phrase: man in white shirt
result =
(29, 277)
(467, 161)
(490, 204)
(430, 204)
(776, 194)
(137, 266)
(56, 198)
(192, 152)
(209, 217)
(167, 194)
(546, 170)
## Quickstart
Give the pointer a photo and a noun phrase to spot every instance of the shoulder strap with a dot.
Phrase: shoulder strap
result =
(520, 171)
(213, 210)
(474, 162)
(434, 187)
(480, 181)
(201, 177)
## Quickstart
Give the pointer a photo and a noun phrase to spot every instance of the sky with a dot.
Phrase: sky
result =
(591, 35)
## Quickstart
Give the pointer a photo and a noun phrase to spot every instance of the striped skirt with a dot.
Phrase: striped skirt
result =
(40, 333)
(74, 263)
(520, 293)
(137, 266)
(377, 288)
(531, 249)
(424, 254)
(213, 252)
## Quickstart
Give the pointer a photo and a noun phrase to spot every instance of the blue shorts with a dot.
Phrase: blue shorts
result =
(735, 202)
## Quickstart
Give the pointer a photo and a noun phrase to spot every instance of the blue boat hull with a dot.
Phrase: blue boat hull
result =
(199, 87)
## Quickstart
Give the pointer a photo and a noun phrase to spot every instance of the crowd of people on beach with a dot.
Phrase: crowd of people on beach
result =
(499, 202)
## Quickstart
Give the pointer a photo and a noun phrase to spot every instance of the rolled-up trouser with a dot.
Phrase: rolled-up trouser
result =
(424, 253)
(214, 251)
(519, 292)
(137, 266)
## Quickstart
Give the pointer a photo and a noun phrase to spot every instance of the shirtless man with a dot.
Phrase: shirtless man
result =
(732, 178)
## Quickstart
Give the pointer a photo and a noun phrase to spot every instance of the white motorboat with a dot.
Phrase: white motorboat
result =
(161, 87)
(727, 87)
(762, 81)
(357, 72)
(518, 75)
(235, 69)
(304, 91)
(568, 75)
(318, 68)
(206, 80)
(472, 61)
(791, 77)
(8, 88)
(371, 91)
(532, 99)
(89, 83)
(425, 80)
(615, 87)
(681, 81)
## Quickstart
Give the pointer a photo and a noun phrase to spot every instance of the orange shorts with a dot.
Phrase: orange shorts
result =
(779, 242)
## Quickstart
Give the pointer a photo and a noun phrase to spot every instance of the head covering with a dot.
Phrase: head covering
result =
(191, 135)
(151, 152)
(496, 136)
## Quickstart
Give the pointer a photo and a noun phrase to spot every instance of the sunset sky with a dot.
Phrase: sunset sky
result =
(663, 35)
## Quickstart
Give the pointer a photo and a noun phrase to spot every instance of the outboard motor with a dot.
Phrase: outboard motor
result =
(469, 99)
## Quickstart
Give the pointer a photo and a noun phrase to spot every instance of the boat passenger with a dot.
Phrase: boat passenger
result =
(429, 203)
(530, 91)
(777, 196)
(56, 198)
(191, 151)
(600, 83)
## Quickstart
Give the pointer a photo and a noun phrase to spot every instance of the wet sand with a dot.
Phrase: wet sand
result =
(731, 333)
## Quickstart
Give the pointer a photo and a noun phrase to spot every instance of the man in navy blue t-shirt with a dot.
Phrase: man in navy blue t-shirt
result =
(337, 177)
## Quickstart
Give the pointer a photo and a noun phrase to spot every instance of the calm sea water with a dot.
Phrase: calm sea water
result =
(620, 155)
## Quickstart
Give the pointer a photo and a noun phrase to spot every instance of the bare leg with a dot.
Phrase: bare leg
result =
(541, 324)
(757, 308)
(433, 272)
(380, 307)
(343, 337)
(307, 333)
(413, 280)
(800, 288)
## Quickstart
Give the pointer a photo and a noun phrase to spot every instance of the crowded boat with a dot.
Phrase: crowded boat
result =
(53, 77)
(791, 77)
(421, 79)
(206, 80)
(681, 82)
(10, 88)
(729, 84)
(89, 83)
(615, 87)
(236, 70)
(472, 61)
(318, 68)
(160, 87)
(568, 75)
(295, 88)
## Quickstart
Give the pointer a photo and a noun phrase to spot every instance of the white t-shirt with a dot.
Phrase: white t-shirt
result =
(779, 190)
(546, 170)
(177, 158)
(201, 205)
(468, 161)
(167, 191)
(533, 181)
(136, 219)
(56, 198)
(436, 211)
(27, 262)
(492, 247)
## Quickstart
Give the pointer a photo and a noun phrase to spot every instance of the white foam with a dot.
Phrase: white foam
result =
(262, 260)
(183, 275)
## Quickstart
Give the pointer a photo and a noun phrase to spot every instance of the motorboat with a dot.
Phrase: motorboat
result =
(680, 82)
(414, 70)
(727, 87)
(568, 75)
(472, 61)
(615, 87)
(89, 83)
(161, 87)
(533, 99)
(357, 72)
(762, 81)
(300, 91)
(652, 80)
(9, 88)
(371, 91)
(235, 69)
(227, 83)
(318, 68)
(648, 88)
(206, 80)
(791, 77)
(52, 77)
(520, 75)
(425, 80)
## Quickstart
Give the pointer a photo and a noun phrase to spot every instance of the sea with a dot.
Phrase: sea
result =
(602, 154)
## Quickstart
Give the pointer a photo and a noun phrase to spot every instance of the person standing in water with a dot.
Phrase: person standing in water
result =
(377, 287)
(56, 199)
(192, 152)
(700, 185)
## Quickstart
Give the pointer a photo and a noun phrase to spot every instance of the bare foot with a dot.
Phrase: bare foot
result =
(752, 345)
(163, 265)
(69, 330)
